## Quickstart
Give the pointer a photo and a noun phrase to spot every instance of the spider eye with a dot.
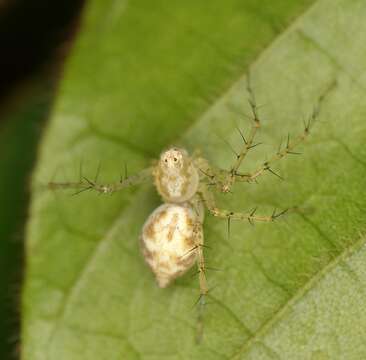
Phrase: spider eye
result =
(166, 160)
(175, 159)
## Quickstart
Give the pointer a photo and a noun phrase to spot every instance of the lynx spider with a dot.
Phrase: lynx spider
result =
(172, 236)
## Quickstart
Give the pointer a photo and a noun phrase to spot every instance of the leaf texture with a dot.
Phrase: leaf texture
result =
(289, 289)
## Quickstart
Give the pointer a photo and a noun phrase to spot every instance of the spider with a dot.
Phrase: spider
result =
(172, 237)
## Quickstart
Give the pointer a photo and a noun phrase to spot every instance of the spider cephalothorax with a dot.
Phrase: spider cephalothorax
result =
(176, 177)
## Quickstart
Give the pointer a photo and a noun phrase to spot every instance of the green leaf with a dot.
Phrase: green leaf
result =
(21, 118)
(144, 77)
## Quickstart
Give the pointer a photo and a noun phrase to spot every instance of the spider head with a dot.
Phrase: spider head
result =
(176, 176)
(174, 160)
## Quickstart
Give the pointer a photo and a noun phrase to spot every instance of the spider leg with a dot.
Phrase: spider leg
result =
(251, 217)
(201, 302)
(248, 143)
(85, 183)
(291, 144)
(225, 179)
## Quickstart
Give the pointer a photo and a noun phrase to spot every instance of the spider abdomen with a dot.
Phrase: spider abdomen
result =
(170, 236)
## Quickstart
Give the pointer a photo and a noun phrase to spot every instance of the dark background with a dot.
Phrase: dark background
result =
(35, 38)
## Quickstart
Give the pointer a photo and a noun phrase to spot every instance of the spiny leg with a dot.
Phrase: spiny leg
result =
(248, 142)
(199, 245)
(224, 179)
(251, 217)
(203, 287)
(291, 145)
(85, 183)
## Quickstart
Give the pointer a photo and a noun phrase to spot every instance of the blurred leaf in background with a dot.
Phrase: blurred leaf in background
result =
(18, 139)
(31, 47)
(146, 75)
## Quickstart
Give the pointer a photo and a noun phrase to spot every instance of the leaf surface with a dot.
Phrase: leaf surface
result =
(289, 289)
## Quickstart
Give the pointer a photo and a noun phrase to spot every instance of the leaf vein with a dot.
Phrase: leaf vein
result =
(308, 286)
